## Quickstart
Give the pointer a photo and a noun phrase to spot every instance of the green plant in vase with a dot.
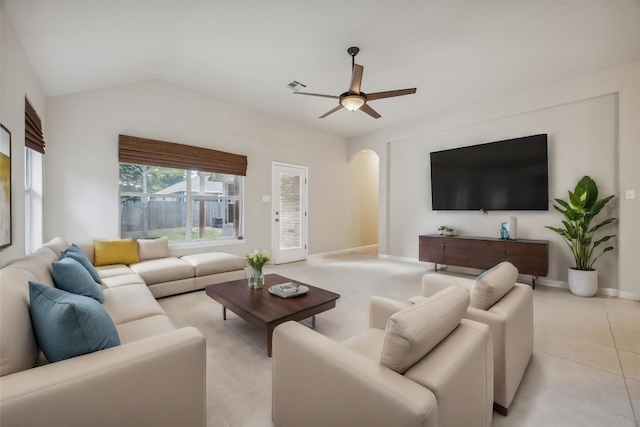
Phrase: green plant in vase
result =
(579, 211)
(256, 260)
(446, 231)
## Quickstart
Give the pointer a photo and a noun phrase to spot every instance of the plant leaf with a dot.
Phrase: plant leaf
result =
(602, 240)
(597, 207)
(577, 198)
(563, 203)
(602, 224)
(591, 190)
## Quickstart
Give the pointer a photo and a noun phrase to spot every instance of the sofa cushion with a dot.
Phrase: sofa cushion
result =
(214, 263)
(57, 245)
(153, 248)
(18, 347)
(368, 343)
(132, 302)
(113, 270)
(163, 270)
(144, 328)
(412, 332)
(68, 325)
(122, 280)
(76, 253)
(124, 251)
(71, 276)
(39, 264)
(492, 285)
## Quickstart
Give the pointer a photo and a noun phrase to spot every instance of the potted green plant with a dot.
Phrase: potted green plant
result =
(256, 260)
(446, 231)
(579, 211)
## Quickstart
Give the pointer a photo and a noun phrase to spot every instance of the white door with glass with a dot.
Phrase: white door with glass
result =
(289, 213)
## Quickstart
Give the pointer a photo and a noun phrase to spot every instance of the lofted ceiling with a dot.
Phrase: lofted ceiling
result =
(456, 53)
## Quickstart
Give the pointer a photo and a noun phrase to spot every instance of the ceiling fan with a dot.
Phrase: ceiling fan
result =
(354, 99)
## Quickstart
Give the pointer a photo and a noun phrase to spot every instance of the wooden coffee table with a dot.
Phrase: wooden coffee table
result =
(266, 311)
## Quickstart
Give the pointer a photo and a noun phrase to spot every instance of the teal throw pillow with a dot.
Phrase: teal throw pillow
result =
(76, 253)
(71, 276)
(68, 325)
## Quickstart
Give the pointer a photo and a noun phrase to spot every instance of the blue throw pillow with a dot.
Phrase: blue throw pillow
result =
(71, 276)
(76, 253)
(68, 325)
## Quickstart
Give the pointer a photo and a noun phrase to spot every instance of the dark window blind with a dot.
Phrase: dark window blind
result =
(143, 151)
(33, 137)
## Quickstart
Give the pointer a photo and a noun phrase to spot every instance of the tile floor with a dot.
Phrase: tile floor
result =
(585, 370)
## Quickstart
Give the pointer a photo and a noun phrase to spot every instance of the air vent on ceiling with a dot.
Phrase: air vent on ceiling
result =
(296, 86)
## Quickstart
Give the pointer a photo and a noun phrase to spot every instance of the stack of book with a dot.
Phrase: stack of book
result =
(284, 290)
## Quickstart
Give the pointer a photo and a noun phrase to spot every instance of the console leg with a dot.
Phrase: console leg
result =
(533, 282)
(500, 409)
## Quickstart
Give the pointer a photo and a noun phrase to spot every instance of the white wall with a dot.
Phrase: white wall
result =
(593, 127)
(16, 82)
(82, 161)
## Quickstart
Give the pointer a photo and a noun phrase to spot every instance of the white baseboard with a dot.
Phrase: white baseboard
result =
(609, 292)
(342, 251)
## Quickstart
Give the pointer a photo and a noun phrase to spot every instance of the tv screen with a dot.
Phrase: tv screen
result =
(504, 176)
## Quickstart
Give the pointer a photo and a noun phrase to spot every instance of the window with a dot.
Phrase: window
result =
(183, 205)
(33, 161)
(183, 192)
(33, 178)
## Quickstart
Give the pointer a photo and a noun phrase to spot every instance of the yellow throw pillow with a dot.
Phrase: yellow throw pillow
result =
(109, 252)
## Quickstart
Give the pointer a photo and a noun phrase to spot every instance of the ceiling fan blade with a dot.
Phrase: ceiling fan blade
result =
(356, 79)
(390, 93)
(317, 94)
(370, 111)
(331, 112)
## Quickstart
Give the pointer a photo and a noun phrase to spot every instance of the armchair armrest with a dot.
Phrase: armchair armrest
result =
(158, 381)
(433, 283)
(511, 324)
(381, 309)
(318, 382)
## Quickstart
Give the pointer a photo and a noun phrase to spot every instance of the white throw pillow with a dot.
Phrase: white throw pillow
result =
(492, 285)
(153, 248)
(413, 331)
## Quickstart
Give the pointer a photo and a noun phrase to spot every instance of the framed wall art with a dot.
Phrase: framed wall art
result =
(5, 187)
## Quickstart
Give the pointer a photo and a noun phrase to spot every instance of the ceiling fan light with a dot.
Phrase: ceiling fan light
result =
(352, 102)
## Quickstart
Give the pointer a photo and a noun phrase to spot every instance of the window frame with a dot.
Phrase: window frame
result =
(189, 199)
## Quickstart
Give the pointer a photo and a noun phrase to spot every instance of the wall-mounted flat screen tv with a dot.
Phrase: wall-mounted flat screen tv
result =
(510, 175)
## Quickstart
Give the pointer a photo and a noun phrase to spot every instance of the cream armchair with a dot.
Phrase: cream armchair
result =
(507, 307)
(417, 365)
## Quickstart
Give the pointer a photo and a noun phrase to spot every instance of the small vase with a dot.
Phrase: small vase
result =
(256, 279)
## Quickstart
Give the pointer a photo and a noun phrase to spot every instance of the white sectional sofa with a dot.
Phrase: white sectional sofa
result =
(155, 375)
(168, 275)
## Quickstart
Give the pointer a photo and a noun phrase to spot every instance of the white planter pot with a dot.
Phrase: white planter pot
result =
(583, 283)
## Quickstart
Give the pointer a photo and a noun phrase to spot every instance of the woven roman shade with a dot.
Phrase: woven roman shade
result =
(143, 151)
(33, 137)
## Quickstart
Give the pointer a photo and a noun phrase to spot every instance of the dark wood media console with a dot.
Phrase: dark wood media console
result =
(528, 256)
